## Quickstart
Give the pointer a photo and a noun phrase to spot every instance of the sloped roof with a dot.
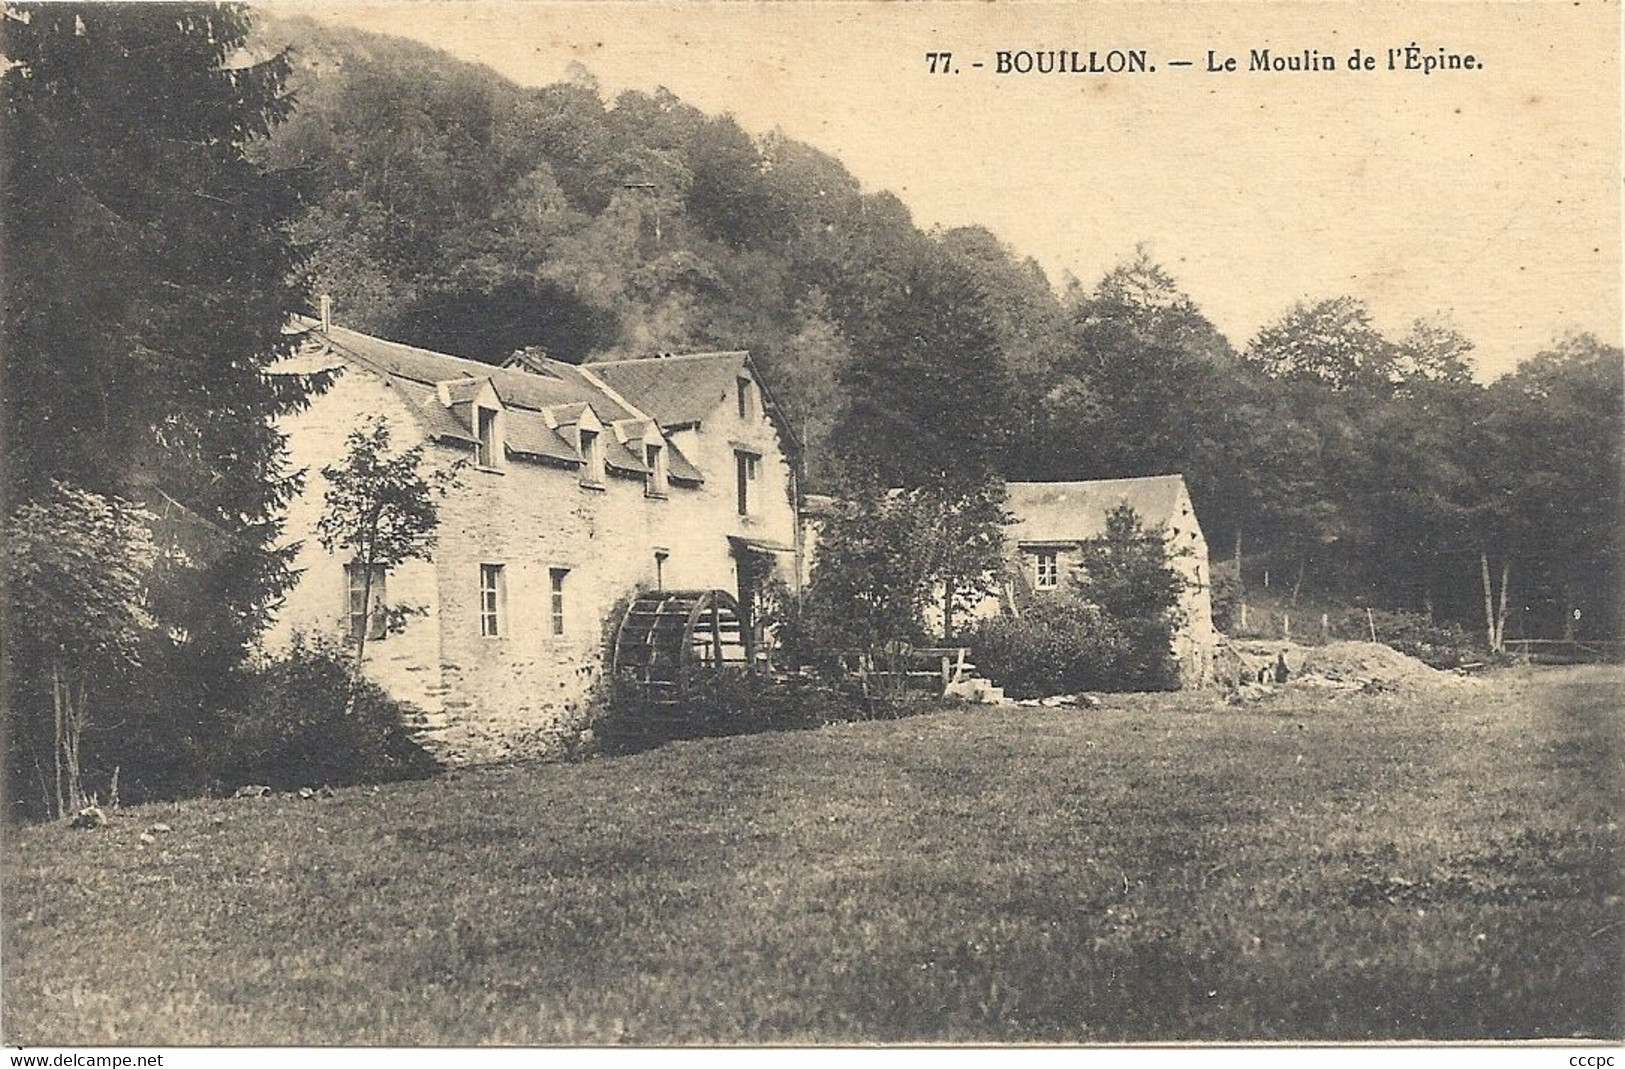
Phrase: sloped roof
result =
(1074, 511)
(678, 391)
(415, 375)
(519, 389)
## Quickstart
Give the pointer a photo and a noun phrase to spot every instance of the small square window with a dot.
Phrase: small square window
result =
(1048, 569)
(491, 598)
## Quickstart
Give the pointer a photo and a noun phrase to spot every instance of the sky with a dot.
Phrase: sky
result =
(1489, 196)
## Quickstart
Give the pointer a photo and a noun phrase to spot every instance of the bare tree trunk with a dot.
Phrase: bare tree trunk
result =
(1501, 612)
(1297, 584)
(947, 611)
(1489, 599)
(75, 730)
(56, 737)
(1568, 611)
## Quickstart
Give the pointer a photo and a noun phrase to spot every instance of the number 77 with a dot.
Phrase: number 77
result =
(939, 62)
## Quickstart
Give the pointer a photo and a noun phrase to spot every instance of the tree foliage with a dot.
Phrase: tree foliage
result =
(1128, 573)
(379, 510)
(150, 270)
(75, 568)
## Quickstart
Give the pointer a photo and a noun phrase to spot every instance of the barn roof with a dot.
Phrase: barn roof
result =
(678, 391)
(1074, 511)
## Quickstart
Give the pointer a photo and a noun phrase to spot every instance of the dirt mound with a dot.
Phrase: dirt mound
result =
(1369, 666)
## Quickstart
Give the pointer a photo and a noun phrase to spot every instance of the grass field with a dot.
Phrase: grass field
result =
(1441, 866)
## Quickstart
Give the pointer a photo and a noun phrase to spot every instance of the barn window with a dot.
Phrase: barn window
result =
(747, 406)
(746, 465)
(365, 619)
(556, 577)
(488, 454)
(1049, 569)
(491, 598)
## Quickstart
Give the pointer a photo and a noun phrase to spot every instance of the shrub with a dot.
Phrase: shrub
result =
(1059, 645)
(299, 728)
(734, 703)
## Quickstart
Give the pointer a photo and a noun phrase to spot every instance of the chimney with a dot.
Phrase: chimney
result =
(532, 358)
(327, 313)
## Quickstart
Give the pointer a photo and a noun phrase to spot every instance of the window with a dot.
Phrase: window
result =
(655, 457)
(556, 577)
(491, 596)
(745, 465)
(365, 619)
(1049, 569)
(592, 470)
(489, 452)
(747, 407)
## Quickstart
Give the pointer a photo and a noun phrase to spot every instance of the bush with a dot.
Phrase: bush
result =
(1059, 645)
(295, 729)
(736, 703)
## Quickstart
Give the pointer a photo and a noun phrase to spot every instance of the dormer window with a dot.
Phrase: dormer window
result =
(654, 456)
(747, 401)
(592, 457)
(488, 453)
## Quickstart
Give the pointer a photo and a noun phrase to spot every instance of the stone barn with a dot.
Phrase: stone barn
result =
(580, 487)
(1052, 520)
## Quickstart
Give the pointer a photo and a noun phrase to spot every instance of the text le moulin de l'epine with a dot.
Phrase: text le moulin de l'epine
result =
(1413, 58)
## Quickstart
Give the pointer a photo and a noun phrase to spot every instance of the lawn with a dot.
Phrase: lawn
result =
(1313, 867)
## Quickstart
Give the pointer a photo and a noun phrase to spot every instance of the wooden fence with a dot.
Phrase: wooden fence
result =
(902, 669)
(1565, 650)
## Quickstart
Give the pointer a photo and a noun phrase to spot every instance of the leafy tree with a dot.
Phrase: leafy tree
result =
(871, 577)
(1150, 384)
(929, 403)
(1434, 351)
(150, 271)
(75, 568)
(963, 528)
(1128, 574)
(1551, 437)
(1331, 342)
(380, 509)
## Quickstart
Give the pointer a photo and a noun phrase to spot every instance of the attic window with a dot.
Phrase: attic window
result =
(592, 456)
(747, 402)
(654, 455)
(488, 454)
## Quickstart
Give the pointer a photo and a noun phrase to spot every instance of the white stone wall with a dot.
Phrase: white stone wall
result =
(527, 691)
(405, 664)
